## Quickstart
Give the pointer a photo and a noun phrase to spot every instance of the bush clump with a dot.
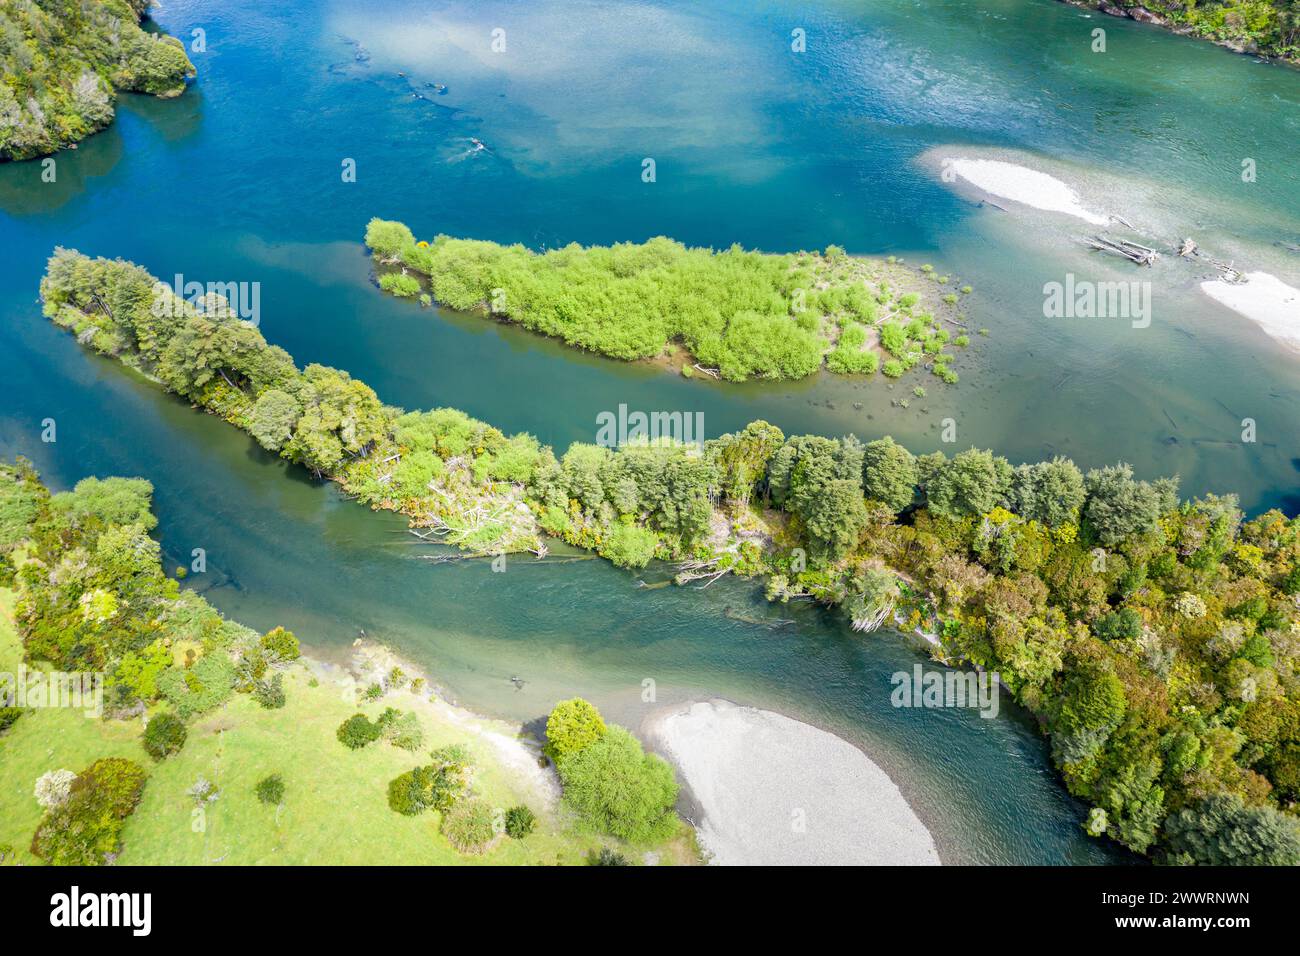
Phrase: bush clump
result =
(164, 735)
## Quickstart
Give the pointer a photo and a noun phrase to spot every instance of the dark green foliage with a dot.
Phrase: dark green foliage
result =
(1223, 831)
(607, 856)
(270, 790)
(358, 731)
(270, 693)
(8, 717)
(86, 830)
(437, 786)
(1120, 507)
(1050, 492)
(164, 735)
(889, 473)
(972, 483)
(1122, 625)
(520, 821)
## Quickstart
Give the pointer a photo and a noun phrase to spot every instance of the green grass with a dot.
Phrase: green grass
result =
(335, 809)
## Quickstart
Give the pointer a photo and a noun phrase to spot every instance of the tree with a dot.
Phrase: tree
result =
(974, 482)
(889, 473)
(1049, 492)
(386, 238)
(358, 731)
(270, 790)
(616, 788)
(101, 502)
(272, 420)
(164, 735)
(1222, 830)
(1092, 699)
(835, 518)
(742, 457)
(572, 726)
(1119, 507)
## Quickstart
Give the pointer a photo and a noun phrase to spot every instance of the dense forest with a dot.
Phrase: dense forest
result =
(62, 62)
(1270, 27)
(1156, 640)
(738, 314)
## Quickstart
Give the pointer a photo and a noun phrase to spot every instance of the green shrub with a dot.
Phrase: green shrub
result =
(164, 735)
(520, 821)
(358, 731)
(468, 826)
(270, 693)
(607, 857)
(629, 546)
(399, 284)
(8, 717)
(86, 830)
(198, 689)
(281, 644)
(616, 788)
(572, 726)
(404, 732)
(270, 790)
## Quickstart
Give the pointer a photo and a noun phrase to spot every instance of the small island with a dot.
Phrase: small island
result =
(735, 315)
(62, 66)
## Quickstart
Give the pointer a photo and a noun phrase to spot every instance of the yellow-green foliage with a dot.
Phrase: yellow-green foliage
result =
(747, 314)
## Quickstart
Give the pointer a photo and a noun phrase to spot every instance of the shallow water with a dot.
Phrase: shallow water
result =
(239, 180)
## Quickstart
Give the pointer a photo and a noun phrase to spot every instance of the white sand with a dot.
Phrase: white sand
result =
(774, 791)
(1264, 298)
(1023, 185)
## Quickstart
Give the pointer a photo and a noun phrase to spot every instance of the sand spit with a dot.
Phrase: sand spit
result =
(775, 791)
(1265, 299)
(1023, 185)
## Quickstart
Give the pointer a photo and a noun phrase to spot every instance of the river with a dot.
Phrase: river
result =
(239, 180)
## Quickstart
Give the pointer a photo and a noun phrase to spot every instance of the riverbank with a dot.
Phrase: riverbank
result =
(52, 96)
(333, 811)
(772, 791)
(1254, 29)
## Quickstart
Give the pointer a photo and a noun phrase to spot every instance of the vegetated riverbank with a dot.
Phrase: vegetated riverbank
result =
(214, 744)
(737, 314)
(774, 791)
(62, 65)
(1258, 27)
(1156, 641)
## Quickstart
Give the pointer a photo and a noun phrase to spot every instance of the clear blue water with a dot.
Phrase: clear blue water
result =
(240, 180)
